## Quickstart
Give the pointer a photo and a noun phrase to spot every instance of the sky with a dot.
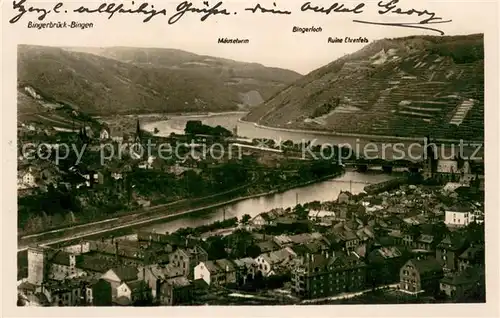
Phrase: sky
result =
(272, 41)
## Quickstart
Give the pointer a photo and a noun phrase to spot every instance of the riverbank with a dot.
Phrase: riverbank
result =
(146, 218)
(167, 116)
(361, 136)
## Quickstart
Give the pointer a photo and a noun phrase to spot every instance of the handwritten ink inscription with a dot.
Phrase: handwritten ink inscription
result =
(186, 6)
(336, 7)
(426, 19)
(387, 7)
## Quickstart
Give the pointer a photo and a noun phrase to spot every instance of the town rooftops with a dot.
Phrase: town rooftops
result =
(95, 263)
(453, 242)
(334, 260)
(468, 276)
(60, 257)
(462, 208)
(136, 285)
(225, 264)
(279, 256)
(424, 238)
(282, 240)
(166, 271)
(305, 237)
(346, 235)
(472, 253)
(212, 267)
(178, 282)
(426, 265)
(267, 246)
(247, 261)
(389, 252)
(126, 273)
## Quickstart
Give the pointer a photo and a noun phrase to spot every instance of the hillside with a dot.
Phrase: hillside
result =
(99, 85)
(252, 82)
(410, 86)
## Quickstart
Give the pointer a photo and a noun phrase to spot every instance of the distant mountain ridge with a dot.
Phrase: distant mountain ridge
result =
(254, 82)
(115, 81)
(410, 86)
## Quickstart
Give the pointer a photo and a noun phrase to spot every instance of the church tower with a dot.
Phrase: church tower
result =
(138, 134)
(37, 265)
(430, 158)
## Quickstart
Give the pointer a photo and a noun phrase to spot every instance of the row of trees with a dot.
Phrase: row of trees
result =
(195, 127)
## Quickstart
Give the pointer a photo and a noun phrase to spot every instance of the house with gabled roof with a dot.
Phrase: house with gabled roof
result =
(132, 292)
(210, 272)
(274, 263)
(458, 284)
(420, 275)
(472, 256)
(187, 258)
(245, 269)
(425, 242)
(119, 275)
(384, 264)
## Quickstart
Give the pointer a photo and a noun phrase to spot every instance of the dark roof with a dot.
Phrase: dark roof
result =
(179, 281)
(95, 263)
(472, 253)
(200, 283)
(460, 208)
(265, 216)
(136, 285)
(126, 273)
(453, 242)
(267, 246)
(469, 276)
(424, 238)
(226, 264)
(426, 265)
(60, 258)
(212, 267)
(337, 259)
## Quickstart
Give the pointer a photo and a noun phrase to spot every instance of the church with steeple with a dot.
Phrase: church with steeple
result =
(138, 133)
(138, 143)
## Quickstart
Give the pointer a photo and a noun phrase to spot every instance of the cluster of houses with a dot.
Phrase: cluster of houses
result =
(32, 170)
(352, 256)
(352, 244)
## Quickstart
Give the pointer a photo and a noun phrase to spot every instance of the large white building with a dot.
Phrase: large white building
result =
(459, 216)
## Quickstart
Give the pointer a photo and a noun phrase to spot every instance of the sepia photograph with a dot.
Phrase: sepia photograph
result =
(155, 173)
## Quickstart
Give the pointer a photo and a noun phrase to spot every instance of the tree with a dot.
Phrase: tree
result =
(253, 251)
(216, 247)
(245, 219)
(301, 212)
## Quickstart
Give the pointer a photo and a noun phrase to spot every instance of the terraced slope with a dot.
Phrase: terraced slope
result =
(410, 86)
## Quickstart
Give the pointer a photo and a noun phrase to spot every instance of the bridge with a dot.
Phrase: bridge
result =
(386, 166)
(353, 181)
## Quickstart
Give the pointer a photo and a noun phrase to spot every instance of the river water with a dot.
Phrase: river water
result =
(371, 148)
(322, 191)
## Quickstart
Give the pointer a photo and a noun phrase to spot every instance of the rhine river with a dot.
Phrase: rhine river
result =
(369, 147)
(321, 191)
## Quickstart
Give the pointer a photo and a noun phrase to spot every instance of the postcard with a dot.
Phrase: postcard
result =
(250, 158)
